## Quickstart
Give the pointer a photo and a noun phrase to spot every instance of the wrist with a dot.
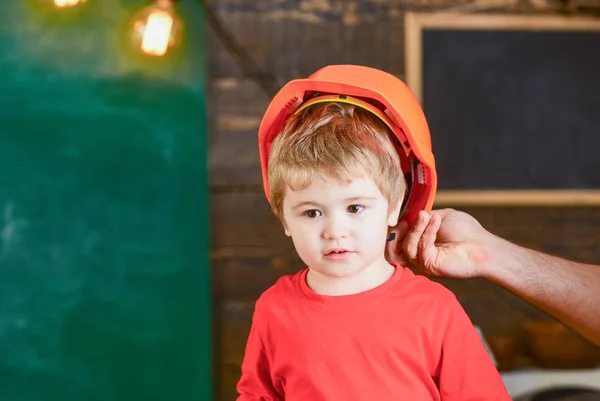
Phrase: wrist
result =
(500, 259)
(492, 257)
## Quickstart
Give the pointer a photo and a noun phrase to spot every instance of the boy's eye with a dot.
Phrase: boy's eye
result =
(355, 208)
(312, 213)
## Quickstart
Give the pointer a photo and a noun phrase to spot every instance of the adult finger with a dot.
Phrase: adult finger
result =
(393, 247)
(401, 230)
(411, 242)
(428, 252)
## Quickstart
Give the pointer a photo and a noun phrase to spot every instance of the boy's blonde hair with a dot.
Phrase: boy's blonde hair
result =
(338, 140)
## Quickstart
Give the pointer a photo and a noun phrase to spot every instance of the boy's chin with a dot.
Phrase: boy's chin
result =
(341, 271)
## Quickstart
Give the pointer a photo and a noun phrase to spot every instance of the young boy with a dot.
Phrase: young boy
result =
(352, 326)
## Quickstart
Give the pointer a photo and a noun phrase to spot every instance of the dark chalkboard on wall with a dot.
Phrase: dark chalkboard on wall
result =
(513, 104)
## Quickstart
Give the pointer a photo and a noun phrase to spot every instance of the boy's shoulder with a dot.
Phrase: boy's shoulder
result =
(415, 285)
(282, 291)
(423, 300)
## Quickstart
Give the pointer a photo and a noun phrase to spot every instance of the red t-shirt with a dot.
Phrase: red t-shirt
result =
(407, 339)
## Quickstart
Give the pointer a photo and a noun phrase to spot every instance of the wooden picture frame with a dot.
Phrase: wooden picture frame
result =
(416, 23)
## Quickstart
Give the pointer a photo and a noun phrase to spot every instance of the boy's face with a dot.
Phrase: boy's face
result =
(339, 229)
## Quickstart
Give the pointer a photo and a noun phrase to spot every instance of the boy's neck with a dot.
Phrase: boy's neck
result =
(369, 278)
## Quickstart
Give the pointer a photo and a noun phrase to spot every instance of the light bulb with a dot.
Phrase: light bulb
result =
(157, 29)
(67, 3)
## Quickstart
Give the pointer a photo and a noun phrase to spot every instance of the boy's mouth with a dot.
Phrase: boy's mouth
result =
(336, 251)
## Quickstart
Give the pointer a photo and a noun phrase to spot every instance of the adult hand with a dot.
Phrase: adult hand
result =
(446, 243)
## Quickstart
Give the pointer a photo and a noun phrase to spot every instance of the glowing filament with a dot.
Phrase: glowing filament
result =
(66, 3)
(157, 33)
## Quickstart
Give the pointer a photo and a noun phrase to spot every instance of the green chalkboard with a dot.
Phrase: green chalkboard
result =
(104, 275)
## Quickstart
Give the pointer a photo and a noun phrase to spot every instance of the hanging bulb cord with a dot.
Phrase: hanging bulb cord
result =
(249, 67)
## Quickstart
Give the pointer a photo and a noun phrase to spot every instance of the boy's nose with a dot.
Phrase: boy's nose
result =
(335, 228)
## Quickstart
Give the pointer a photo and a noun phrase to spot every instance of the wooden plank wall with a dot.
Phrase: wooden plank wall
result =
(291, 39)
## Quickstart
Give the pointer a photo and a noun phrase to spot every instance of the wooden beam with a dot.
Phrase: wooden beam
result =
(577, 4)
(291, 41)
(413, 45)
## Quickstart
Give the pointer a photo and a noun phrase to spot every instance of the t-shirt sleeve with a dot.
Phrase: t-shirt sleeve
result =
(466, 371)
(255, 383)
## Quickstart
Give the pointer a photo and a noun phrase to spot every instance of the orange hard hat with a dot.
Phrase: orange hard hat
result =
(379, 92)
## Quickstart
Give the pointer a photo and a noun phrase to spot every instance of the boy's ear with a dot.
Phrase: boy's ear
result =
(395, 213)
(285, 229)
